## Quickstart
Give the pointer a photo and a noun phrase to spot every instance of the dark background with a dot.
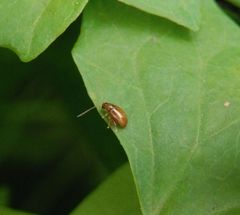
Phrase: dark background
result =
(49, 159)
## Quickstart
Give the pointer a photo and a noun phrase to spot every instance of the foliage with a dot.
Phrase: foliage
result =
(106, 198)
(172, 66)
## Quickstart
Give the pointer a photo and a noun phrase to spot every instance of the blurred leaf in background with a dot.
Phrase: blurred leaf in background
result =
(115, 196)
(8, 211)
(235, 2)
(183, 12)
(28, 27)
(4, 196)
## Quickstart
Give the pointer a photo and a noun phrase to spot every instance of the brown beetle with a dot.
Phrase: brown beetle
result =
(115, 114)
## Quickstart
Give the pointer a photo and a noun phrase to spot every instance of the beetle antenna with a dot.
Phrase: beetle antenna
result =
(86, 111)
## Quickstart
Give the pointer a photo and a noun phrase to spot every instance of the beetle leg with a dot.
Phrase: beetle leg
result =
(115, 128)
(114, 125)
(108, 118)
(110, 121)
(105, 115)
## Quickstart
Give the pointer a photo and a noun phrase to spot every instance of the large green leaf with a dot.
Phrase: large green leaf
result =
(183, 12)
(28, 27)
(181, 93)
(117, 195)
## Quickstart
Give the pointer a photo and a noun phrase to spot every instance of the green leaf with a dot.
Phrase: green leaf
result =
(117, 195)
(28, 27)
(8, 211)
(181, 93)
(184, 12)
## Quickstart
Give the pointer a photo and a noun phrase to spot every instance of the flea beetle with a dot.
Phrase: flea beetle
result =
(115, 114)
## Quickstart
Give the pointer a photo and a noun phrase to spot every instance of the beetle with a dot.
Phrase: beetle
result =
(116, 115)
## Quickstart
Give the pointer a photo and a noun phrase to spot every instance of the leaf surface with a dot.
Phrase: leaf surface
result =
(183, 12)
(28, 27)
(181, 93)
